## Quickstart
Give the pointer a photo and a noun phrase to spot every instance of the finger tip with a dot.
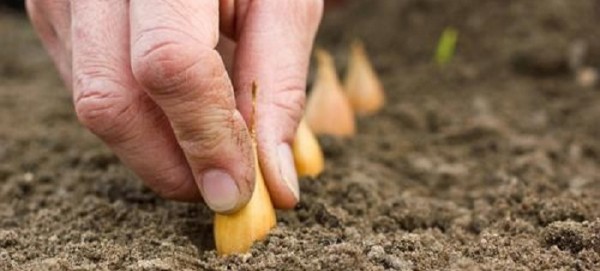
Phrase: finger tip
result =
(285, 202)
(281, 195)
(280, 176)
(220, 191)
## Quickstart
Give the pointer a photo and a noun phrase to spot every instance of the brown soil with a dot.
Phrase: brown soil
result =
(492, 162)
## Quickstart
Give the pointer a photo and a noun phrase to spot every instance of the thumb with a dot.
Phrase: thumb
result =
(274, 44)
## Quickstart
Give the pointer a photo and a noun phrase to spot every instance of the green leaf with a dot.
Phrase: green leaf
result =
(446, 46)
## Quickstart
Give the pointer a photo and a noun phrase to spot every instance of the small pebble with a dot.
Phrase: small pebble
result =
(587, 77)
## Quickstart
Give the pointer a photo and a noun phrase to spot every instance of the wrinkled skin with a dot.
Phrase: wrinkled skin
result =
(149, 78)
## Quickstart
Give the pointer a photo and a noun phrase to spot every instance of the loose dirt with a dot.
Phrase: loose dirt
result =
(489, 163)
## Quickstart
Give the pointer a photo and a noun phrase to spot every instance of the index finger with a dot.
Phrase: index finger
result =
(173, 57)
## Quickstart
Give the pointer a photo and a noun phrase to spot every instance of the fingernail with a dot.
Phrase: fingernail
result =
(287, 169)
(220, 191)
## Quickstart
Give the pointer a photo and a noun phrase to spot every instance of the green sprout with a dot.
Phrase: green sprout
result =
(446, 46)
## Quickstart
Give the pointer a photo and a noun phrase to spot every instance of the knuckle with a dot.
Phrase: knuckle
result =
(157, 67)
(290, 99)
(104, 112)
(162, 65)
(292, 108)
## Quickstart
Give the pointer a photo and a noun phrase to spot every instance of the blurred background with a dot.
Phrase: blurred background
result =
(18, 5)
(485, 157)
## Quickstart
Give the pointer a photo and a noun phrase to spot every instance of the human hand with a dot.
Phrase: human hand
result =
(147, 80)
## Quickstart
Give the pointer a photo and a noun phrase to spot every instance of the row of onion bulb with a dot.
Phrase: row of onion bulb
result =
(331, 110)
